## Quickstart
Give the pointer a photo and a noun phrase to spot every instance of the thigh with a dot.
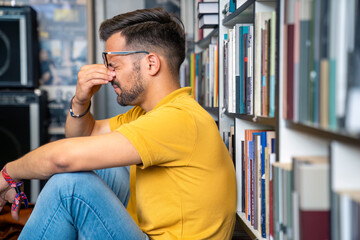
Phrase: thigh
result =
(118, 179)
(79, 205)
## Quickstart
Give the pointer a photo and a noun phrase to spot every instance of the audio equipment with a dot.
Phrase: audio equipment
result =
(19, 47)
(23, 127)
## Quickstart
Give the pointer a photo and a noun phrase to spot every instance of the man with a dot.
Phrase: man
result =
(182, 180)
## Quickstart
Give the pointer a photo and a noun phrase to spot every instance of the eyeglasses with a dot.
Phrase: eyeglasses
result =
(104, 55)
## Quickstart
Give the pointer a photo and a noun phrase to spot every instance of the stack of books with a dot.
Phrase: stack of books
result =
(208, 14)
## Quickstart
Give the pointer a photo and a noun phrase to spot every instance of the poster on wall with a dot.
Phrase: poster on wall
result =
(62, 28)
(63, 50)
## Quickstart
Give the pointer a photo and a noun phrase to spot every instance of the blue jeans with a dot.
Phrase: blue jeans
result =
(84, 205)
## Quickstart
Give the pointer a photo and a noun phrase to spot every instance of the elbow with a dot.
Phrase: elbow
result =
(59, 164)
(53, 165)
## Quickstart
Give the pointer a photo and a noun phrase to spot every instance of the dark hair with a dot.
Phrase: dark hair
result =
(152, 30)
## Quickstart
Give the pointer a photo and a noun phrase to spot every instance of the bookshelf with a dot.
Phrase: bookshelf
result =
(204, 43)
(312, 117)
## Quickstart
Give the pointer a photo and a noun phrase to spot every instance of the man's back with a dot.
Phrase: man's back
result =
(186, 186)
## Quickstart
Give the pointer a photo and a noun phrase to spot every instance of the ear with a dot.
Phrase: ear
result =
(153, 64)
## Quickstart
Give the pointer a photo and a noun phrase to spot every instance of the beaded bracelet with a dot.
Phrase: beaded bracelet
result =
(19, 194)
(80, 115)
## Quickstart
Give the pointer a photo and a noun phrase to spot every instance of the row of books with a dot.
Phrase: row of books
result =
(253, 155)
(231, 5)
(289, 200)
(345, 215)
(321, 63)
(301, 202)
(301, 199)
(204, 76)
(208, 14)
(249, 66)
(206, 19)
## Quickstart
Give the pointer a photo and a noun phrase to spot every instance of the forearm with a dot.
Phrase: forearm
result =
(83, 126)
(75, 154)
(40, 163)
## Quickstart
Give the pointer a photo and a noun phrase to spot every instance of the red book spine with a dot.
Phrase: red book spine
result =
(314, 225)
(252, 192)
(290, 73)
(271, 213)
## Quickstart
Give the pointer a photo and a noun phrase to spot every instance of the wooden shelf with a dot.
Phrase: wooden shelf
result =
(204, 43)
(243, 14)
(246, 225)
(342, 136)
(254, 119)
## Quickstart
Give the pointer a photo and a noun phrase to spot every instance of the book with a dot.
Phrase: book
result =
(239, 158)
(345, 44)
(198, 32)
(240, 63)
(248, 155)
(272, 59)
(353, 97)
(232, 6)
(345, 214)
(208, 8)
(248, 61)
(290, 59)
(230, 71)
(260, 18)
(296, 61)
(324, 65)
(262, 181)
(270, 193)
(311, 188)
(282, 179)
(304, 78)
(225, 71)
(209, 21)
(332, 49)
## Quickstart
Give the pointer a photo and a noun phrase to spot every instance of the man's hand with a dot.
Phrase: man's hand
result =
(90, 79)
(7, 194)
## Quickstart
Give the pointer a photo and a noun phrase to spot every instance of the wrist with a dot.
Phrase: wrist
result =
(9, 167)
(80, 102)
(84, 112)
(20, 195)
(11, 181)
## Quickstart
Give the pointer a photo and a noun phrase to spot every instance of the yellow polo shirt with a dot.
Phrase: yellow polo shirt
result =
(186, 185)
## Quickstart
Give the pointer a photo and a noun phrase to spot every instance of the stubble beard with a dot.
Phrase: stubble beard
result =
(129, 97)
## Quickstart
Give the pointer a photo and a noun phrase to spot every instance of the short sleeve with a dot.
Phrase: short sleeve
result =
(129, 116)
(164, 137)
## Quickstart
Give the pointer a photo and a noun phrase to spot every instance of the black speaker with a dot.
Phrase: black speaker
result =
(23, 127)
(19, 47)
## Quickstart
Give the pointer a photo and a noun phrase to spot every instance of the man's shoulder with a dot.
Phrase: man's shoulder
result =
(131, 115)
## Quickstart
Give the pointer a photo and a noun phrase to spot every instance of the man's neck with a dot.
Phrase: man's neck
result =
(157, 91)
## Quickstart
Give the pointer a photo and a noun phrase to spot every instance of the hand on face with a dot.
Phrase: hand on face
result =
(7, 194)
(90, 79)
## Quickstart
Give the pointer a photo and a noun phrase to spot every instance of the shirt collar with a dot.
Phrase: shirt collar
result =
(173, 95)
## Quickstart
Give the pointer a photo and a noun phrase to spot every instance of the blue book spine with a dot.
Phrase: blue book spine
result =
(232, 5)
(263, 200)
(332, 98)
(250, 159)
(241, 71)
(272, 97)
